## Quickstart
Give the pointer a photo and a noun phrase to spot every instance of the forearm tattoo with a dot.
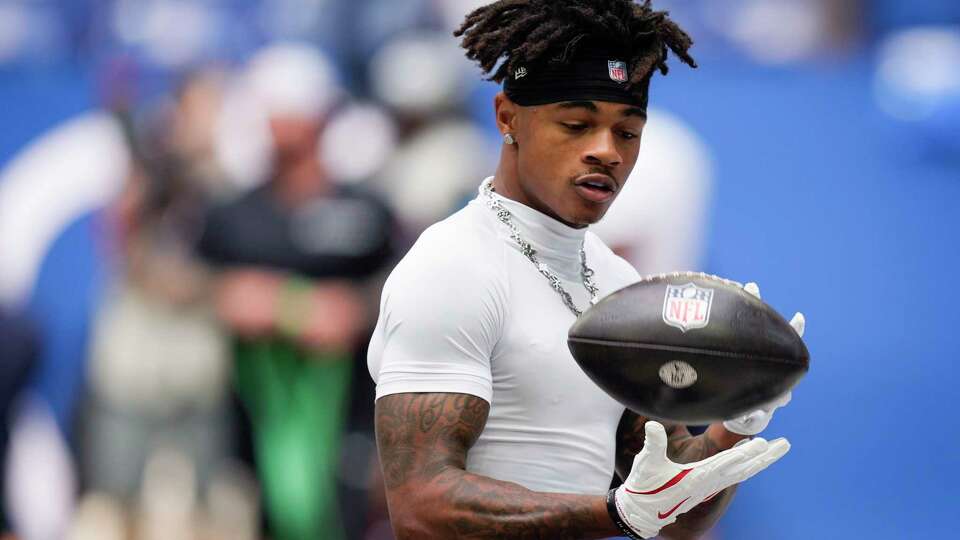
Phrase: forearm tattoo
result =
(683, 448)
(423, 441)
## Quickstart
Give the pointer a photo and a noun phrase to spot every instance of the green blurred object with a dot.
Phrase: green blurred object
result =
(297, 404)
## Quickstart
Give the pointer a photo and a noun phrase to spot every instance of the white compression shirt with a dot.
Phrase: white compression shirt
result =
(466, 312)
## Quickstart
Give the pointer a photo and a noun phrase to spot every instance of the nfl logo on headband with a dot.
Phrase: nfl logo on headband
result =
(618, 70)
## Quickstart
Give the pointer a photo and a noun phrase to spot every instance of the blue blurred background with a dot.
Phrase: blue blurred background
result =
(826, 138)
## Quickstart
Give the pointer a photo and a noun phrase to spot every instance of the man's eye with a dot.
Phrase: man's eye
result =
(628, 135)
(574, 127)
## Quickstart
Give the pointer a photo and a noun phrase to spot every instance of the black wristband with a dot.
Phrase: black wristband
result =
(617, 520)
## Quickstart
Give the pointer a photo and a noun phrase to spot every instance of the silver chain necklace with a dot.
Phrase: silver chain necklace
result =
(586, 273)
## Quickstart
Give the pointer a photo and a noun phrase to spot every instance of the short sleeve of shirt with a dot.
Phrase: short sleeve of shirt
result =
(441, 317)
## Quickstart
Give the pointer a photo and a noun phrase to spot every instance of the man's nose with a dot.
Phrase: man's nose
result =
(603, 151)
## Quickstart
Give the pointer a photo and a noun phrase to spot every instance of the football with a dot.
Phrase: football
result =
(688, 348)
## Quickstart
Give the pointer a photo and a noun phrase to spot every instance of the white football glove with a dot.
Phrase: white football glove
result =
(756, 421)
(658, 490)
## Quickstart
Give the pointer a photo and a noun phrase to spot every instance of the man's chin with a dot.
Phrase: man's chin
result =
(585, 213)
(578, 215)
(587, 218)
(595, 212)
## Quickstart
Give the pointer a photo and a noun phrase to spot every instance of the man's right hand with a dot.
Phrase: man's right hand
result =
(658, 490)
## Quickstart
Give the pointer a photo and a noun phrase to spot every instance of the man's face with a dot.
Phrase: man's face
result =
(573, 158)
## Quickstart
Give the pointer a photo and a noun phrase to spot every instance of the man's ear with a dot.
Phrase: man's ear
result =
(506, 114)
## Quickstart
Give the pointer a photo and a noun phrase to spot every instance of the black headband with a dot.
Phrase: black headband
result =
(593, 74)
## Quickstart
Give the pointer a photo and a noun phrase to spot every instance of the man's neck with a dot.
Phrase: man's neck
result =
(299, 181)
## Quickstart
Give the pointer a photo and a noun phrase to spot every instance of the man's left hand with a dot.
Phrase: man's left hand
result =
(756, 421)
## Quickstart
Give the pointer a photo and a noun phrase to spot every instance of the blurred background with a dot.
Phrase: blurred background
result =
(199, 201)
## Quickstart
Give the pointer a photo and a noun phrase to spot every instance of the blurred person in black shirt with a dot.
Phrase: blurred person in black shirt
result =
(298, 259)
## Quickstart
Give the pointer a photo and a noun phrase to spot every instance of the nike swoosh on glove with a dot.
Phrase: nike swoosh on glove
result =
(658, 490)
(756, 421)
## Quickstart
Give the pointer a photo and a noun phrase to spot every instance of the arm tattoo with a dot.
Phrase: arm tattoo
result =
(682, 448)
(423, 441)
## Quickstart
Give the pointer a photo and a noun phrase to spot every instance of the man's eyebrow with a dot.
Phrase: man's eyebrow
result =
(588, 105)
(635, 111)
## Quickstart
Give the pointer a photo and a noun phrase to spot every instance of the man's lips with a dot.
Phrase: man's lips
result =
(597, 188)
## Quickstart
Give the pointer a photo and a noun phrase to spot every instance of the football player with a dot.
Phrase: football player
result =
(486, 426)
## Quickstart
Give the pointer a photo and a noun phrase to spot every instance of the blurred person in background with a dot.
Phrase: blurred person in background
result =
(429, 176)
(159, 371)
(18, 355)
(58, 255)
(293, 259)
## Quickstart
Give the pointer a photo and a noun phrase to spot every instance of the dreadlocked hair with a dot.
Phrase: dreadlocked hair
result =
(525, 31)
